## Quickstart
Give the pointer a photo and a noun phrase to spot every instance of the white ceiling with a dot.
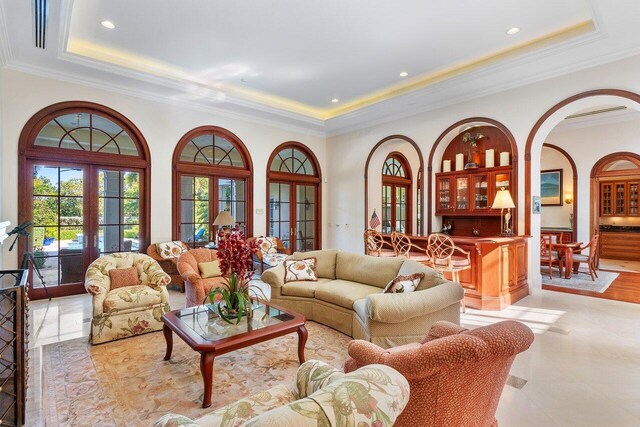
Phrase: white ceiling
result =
(285, 60)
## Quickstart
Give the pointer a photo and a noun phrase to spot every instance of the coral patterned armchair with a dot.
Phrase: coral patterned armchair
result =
(456, 375)
(134, 309)
(372, 396)
(195, 286)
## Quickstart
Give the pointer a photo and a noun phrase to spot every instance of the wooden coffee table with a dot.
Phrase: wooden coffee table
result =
(212, 336)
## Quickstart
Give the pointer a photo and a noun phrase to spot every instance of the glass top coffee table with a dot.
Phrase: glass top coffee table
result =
(211, 336)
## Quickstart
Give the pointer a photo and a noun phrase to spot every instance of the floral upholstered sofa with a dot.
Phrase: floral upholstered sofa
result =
(129, 310)
(372, 396)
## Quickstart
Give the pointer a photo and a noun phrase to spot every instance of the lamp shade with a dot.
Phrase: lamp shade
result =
(224, 218)
(503, 200)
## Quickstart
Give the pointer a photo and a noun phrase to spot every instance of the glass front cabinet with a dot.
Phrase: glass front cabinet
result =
(468, 192)
(619, 198)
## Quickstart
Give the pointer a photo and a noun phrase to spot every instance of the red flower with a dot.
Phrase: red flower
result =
(236, 254)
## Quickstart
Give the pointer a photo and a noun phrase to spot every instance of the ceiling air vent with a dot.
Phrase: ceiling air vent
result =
(40, 12)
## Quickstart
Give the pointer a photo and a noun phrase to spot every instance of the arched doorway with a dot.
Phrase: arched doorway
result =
(396, 194)
(212, 172)
(539, 134)
(373, 168)
(84, 181)
(294, 197)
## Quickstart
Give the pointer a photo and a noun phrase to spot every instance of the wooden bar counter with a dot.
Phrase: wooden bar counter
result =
(498, 276)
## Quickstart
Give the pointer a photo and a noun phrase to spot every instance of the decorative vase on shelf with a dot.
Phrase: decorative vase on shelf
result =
(473, 143)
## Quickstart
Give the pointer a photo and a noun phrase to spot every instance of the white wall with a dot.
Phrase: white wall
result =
(557, 216)
(161, 124)
(518, 109)
(586, 146)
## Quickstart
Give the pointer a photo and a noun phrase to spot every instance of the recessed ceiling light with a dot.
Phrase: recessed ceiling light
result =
(334, 100)
(404, 74)
(108, 24)
(512, 31)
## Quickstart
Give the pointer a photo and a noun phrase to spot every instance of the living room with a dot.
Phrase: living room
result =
(372, 138)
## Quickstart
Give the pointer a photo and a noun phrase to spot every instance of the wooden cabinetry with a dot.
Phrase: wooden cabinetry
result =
(619, 198)
(465, 193)
(620, 245)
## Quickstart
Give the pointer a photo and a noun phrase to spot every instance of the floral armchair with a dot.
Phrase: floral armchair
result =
(271, 251)
(373, 396)
(129, 310)
(167, 254)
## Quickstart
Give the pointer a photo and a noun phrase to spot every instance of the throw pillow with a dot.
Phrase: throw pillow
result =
(403, 284)
(210, 269)
(300, 270)
(268, 245)
(121, 277)
(169, 250)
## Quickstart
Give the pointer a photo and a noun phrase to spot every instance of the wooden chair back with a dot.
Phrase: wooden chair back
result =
(373, 242)
(546, 246)
(401, 244)
(440, 247)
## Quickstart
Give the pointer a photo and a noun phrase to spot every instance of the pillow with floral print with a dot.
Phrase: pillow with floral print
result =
(268, 245)
(169, 250)
(403, 284)
(300, 270)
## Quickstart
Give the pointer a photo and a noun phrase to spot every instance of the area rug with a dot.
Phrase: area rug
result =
(127, 382)
(581, 281)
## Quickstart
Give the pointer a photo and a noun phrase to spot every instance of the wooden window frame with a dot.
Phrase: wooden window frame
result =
(394, 182)
(28, 153)
(292, 178)
(215, 173)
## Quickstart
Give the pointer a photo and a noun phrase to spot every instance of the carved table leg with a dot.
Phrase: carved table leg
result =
(568, 262)
(206, 367)
(168, 336)
(302, 340)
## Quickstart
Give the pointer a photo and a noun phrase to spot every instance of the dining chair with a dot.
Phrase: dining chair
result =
(375, 244)
(549, 256)
(402, 246)
(590, 259)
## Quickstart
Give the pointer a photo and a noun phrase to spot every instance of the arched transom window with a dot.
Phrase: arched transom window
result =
(396, 194)
(84, 180)
(212, 173)
(294, 197)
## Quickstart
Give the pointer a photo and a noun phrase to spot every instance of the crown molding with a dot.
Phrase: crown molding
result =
(6, 55)
(307, 126)
(424, 99)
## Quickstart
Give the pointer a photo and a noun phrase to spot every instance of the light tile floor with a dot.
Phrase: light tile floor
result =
(582, 369)
(619, 265)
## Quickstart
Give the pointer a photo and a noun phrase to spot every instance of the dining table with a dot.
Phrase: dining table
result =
(566, 251)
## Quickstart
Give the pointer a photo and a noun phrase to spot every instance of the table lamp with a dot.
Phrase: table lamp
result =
(224, 218)
(504, 201)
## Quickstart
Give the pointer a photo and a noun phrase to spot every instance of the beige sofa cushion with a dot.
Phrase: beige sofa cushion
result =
(325, 261)
(305, 289)
(374, 271)
(431, 277)
(344, 293)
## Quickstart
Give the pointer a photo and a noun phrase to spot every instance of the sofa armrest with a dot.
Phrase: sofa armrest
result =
(313, 375)
(274, 276)
(442, 329)
(397, 308)
(362, 353)
(175, 420)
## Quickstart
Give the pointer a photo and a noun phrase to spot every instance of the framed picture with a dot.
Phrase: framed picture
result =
(535, 205)
(551, 187)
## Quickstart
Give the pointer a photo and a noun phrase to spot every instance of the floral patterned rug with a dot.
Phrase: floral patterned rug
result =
(127, 382)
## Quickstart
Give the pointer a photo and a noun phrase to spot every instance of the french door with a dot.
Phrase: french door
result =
(202, 198)
(293, 214)
(395, 208)
(79, 213)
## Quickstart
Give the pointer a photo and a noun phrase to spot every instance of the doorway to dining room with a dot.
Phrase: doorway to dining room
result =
(586, 194)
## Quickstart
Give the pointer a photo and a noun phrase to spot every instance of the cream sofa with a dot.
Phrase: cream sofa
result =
(348, 297)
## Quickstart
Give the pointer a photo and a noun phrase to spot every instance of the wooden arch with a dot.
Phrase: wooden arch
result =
(527, 153)
(420, 229)
(514, 156)
(226, 171)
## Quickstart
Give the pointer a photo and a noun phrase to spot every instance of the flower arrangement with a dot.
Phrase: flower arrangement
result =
(236, 264)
